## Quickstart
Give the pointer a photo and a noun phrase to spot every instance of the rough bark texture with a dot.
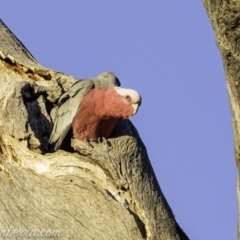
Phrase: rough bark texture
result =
(225, 19)
(104, 190)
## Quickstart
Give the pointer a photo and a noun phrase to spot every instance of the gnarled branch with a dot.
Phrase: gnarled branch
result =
(105, 190)
(225, 19)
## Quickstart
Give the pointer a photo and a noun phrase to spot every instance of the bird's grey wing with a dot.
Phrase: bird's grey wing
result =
(68, 105)
(106, 79)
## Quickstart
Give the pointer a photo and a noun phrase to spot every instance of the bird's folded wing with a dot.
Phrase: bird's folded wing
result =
(68, 106)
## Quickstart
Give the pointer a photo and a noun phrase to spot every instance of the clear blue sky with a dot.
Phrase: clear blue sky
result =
(166, 50)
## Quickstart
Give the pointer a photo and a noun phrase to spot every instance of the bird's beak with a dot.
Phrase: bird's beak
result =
(135, 108)
(136, 105)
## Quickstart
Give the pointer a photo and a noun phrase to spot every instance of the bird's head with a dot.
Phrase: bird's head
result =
(130, 97)
(121, 102)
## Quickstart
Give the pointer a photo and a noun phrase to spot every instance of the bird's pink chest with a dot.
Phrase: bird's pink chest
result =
(91, 120)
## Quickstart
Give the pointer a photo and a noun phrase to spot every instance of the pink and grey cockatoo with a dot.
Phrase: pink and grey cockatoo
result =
(92, 108)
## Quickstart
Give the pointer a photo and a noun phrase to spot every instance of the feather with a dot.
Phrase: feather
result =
(69, 103)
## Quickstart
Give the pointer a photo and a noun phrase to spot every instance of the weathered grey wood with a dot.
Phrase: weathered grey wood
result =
(225, 19)
(105, 190)
(10, 44)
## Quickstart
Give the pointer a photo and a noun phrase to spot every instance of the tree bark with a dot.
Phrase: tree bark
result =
(225, 19)
(103, 190)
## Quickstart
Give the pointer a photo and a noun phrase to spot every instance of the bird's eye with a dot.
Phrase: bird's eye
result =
(128, 98)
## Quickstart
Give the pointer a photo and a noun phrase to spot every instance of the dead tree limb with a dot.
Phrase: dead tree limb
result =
(225, 19)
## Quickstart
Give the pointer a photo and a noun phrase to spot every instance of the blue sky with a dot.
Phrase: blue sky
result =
(165, 50)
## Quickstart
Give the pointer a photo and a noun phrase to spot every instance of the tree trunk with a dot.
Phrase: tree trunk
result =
(225, 19)
(104, 190)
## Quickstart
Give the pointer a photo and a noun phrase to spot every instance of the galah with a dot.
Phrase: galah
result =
(92, 107)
